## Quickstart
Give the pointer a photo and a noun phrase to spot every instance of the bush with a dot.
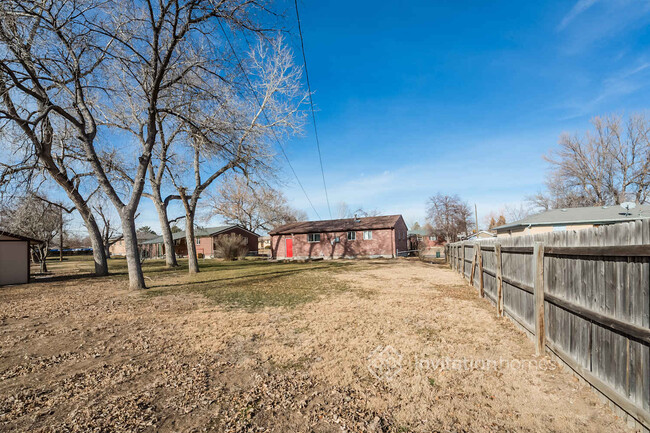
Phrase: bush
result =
(422, 249)
(231, 246)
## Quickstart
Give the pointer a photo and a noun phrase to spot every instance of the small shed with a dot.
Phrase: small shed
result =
(14, 258)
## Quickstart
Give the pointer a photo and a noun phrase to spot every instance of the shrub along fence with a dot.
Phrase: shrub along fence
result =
(584, 295)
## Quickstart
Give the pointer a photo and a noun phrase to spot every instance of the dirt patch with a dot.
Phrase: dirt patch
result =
(352, 346)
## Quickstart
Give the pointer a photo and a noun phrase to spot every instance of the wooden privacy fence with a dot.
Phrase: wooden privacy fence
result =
(584, 295)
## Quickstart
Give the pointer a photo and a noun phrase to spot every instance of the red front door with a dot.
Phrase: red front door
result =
(289, 243)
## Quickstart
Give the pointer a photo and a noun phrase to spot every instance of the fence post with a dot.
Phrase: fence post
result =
(456, 258)
(462, 263)
(497, 253)
(538, 263)
(480, 270)
(471, 271)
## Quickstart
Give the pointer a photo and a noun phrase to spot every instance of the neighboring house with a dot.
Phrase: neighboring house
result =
(429, 244)
(264, 243)
(205, 239)
(118, 246)
(482, 234)
(14, 258)
(380, 236)
(572, 219)
(419, 237)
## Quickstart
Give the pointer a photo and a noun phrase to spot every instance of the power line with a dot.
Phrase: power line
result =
(311, 103)
(267, 119)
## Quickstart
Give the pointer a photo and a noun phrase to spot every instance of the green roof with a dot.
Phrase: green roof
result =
(581, 215)
(198, 233)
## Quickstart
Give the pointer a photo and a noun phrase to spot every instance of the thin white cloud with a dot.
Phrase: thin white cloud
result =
(578, 8)
(405, 189)
(622, 83)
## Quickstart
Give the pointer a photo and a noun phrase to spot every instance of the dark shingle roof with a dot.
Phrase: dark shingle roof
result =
(198, 233)
(581, 215)
(20, 237)
(339, 225)
(144, 236)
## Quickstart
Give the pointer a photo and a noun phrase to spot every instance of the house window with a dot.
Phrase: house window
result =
(432, 238)
(352, 236)
(313, 237)
(198, 241)
(367, 235)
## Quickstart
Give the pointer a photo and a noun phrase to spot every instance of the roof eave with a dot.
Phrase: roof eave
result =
(563, 223)
(303, 232)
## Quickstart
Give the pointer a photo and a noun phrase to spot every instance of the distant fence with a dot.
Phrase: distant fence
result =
(583, 294)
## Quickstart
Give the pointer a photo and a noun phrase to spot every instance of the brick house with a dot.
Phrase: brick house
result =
(380, 236)
(431, 244)
(118, 246)
(205, 241)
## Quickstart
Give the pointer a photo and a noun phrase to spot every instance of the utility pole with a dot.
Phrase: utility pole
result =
(61, 238)
(476, 216)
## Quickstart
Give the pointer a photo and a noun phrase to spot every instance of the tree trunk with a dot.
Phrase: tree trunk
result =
(136, 277)
(168, 240)
(99, 249)
(42, 257)
(192, 259)
(81, 204)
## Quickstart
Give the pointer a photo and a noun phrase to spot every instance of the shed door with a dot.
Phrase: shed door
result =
(289, 244)
(14, 262)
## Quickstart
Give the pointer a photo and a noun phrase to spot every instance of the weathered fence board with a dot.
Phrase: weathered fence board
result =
(596, 300)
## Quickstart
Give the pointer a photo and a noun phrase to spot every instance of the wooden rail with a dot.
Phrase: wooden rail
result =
(583, 295)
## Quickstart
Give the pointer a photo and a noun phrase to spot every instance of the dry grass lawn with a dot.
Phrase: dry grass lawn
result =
(258, 346)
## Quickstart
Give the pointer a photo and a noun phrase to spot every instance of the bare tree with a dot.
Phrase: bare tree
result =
(254, 206)
(449, 216)
(237, 135)
(35, 82)
(109, 226)
(37, 219)
(608, 165)
(75, 60)
(512, 213)
(344, 211)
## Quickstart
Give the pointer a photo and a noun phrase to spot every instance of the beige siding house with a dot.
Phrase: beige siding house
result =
(572, 219)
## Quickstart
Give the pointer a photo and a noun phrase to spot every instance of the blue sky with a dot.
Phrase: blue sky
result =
(459, 97)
